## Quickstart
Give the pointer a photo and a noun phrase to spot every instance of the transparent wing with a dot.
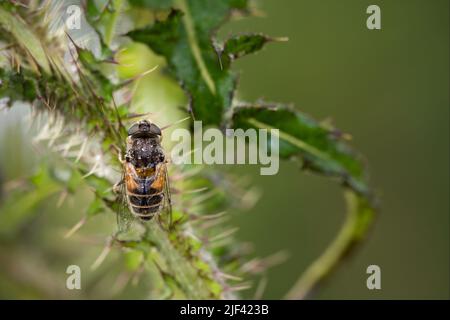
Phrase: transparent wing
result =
(166, 210)
(124, 216)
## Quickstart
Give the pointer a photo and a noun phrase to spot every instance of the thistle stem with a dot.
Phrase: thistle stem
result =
(356, 222)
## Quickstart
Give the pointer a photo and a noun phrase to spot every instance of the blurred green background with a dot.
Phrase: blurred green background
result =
(389, 88)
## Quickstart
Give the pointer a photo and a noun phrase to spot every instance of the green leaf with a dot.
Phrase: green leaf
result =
(25, 38)
(154, 4)
(92, 65)
(187, 40)
(241, 45)
(102, 15)
(320, 148)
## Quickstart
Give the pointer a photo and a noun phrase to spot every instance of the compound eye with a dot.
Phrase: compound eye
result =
(133, 129)
(155, 129)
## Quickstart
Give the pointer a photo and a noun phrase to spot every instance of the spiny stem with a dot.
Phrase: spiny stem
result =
(185, 273)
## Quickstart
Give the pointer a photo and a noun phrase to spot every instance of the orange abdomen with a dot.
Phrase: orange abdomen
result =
(144, 192)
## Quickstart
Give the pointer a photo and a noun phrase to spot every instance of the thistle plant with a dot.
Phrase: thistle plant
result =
(81, 103)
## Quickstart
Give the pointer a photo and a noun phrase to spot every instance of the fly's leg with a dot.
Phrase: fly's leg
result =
(165, 225)
(119, 153)
(121, 159)
(160, 222)
(116, 186)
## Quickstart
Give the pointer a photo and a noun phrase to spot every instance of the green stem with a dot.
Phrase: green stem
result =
(182, 270)
(358, 218)
(111, 26)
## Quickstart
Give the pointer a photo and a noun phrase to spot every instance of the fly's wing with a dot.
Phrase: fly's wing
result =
(162, 177)
(124, 216)
(167, 208)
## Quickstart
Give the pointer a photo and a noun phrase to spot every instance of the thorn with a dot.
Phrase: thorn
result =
(137, 77)
(125, 95)
(113, 61)
(45, 103)
(69, 144)
(182, 160)
(211, 223)
(279, 39)
(83, 239)
(73, 42)
(219, 244)
(132, 116)
(192, 235)
(238, 288)
(347, 136)
(219, 55)
(188, 174)
(8, 46)
(259, 265)
(20, 4)
(121, 282)
(121, 51)
(137, 274)
(260, 289)
(147, 72)
(105, 7)
(224, 234)
(80, 153)
(229, 276)
(75, 228)
(94, 167)
(202, 198)
(176, 191)
(250, 198)
(116, 109)
(208, 216)
(61, 199)
(103, 254)
(176, 122)
(14, 184)
(118, 151)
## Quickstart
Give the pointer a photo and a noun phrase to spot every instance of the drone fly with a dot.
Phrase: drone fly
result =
(145, 179)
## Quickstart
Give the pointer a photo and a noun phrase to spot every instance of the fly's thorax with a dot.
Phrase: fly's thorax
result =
(144, 152)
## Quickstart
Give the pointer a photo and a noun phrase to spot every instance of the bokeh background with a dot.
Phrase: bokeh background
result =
(388, 88)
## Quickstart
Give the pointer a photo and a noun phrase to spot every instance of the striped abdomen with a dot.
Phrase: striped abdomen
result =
(144, 195)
